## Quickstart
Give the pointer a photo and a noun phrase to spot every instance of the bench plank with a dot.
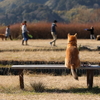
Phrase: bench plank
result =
(49, 66)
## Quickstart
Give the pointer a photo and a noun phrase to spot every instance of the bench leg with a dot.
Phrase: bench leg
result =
(89, 78)
(21, 79)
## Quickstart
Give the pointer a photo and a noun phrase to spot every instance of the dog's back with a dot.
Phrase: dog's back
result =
(72, 54)
(2, 36)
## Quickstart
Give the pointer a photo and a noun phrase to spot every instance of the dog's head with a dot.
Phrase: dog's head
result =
(72, 38)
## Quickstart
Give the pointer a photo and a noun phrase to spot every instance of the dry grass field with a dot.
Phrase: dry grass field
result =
(40, 50)
(56, 87)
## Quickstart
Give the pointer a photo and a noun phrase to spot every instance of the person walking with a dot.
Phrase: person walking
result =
(8, 33)
(24, 32)
(53, 33)
(91, 32)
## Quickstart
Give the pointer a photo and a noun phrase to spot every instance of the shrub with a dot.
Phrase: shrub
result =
(42, 30)
(38, 86)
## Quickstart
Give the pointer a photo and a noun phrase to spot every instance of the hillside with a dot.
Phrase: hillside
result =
(33, 12)
(69, 4)
(13, 11)
(76, 11)
(67, 11)
(7, 5)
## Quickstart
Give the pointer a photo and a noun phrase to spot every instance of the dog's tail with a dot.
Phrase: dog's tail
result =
(73, 71)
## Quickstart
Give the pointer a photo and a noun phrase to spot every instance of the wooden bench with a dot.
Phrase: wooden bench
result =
(90, 69)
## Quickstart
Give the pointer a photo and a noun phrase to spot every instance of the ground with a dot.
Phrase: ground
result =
(57, 88)
(62, 87)
(40, 50)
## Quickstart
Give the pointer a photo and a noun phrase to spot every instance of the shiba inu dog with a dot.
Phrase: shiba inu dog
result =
(2, 36)
(72, 60)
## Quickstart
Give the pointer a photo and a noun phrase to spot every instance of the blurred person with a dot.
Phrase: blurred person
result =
(24, 32)
(91, 32)
(8, 33)
(53, 33)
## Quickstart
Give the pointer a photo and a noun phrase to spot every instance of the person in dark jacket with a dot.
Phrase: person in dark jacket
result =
(53, 33)
(91, 32)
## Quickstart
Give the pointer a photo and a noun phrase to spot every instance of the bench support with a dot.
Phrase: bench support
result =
(90, 69)
(21, 78)
(90, 78)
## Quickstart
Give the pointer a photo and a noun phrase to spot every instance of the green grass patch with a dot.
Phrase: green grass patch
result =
(5, 66)
(94, 90)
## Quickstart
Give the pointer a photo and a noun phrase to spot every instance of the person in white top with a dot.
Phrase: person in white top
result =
(24, 33)
(8, 33)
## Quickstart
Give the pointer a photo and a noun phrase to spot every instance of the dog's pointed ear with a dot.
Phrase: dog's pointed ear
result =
(75, 34)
